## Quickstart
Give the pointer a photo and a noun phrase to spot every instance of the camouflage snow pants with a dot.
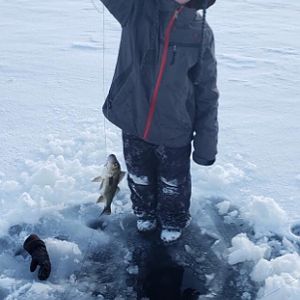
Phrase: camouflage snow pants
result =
(159, 180)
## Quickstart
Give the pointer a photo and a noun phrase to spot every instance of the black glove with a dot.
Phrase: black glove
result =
(37, 249)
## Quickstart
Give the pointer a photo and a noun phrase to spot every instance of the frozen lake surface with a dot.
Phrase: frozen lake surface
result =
(52, 145)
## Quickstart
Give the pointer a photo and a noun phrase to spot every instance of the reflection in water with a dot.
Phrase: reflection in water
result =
(166, 283)
(161, 278)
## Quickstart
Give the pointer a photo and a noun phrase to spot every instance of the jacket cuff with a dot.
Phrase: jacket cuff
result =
(201, 161)
(33, 242)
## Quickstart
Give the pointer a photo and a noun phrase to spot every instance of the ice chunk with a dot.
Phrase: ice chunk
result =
(189, 250)
(280, 287)
(288, 263)
(226, 174)
(209, 277)
(10, 186)
(46, 175)
(265, 215)
(223, 207)
(142, 180)
(27, 200)
(173, 182)
(261, 271)
(233, 213)
(244, 250)
(63, 247)
(133, 270)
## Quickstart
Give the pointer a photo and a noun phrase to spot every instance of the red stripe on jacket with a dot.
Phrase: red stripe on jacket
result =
(160, 73)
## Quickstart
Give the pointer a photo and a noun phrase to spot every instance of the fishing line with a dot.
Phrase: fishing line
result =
(274, 291)
(89, 244)
(96, 6)
(103, 74)
(102, 12)
(103, 79)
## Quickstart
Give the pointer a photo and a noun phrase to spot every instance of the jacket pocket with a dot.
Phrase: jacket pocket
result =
(124, 91)
(122, 109)
(119, 83)
(187, 52)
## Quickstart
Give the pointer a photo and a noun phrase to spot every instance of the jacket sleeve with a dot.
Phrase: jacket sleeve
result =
(206, 98)
(120, 9)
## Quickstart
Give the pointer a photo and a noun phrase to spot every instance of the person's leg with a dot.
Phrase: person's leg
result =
(141, 164)
(174, 186)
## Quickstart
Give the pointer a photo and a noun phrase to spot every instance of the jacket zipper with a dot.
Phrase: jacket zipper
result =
(160, 73)
(174, 55)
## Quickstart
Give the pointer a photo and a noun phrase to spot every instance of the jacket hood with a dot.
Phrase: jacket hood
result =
(200, 4)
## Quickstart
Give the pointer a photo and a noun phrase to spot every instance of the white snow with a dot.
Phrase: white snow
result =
(266, 216)
(10, 185)
(170, 235)
(146, 225)
(142, 180)
(133, 270)
(173, 183)
(244, 250)
(223, 207)
(288, 263)
(280, 276)
(281, 287)
(53, 143)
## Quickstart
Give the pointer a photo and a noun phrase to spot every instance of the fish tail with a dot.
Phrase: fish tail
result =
(106, 211)
(101, 199)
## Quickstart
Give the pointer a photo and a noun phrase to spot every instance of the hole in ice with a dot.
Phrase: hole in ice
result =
(97, 224)
(172, 282)
(163, 278)
(295, 229)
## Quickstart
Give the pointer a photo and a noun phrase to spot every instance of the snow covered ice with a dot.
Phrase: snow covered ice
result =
(52, 145)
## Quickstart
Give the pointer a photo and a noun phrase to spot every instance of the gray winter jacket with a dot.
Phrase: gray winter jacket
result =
(161, 91)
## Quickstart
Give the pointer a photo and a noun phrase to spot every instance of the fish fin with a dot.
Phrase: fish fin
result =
(101, 199)
(97, 179)
(101, 184)
(122, 175)
(117, 190)
(110, 181)
(106, 211)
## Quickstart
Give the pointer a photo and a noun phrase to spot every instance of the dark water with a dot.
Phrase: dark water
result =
(166, 272)
(194, 267)
(165, 279)
(170, 272)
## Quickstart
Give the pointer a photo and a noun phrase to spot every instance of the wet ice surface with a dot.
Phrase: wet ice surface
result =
(218, 257)
(114, 261)
(51, 79)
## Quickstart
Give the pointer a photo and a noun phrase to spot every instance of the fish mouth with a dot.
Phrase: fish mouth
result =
(112, 162)
(112, 159)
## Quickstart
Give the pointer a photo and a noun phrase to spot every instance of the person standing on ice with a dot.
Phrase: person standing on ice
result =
(164, 98)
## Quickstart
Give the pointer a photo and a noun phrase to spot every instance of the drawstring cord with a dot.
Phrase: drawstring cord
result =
(204, 7)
